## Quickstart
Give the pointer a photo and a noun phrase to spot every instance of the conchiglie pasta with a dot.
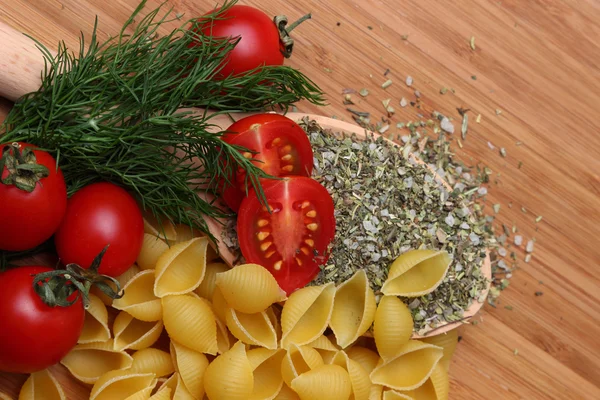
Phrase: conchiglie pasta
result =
(40, 386)
(164, 394)
(176, 387)
(95, 327)
(367, 358)
(410, 368)
(376, 392)
(224, 337)
(359, 377)
(393, 326)
(286, 393)
(353, 309)
(254, 329)
(394, 395)
(219, 305)
(4, 396)
(153, 361)
(416, 273)
(152, 248)
(139, 299)
(191, 367)
(436, 387)
(191, 322)
(183, 233)
(133, 334)
(164, 229)
(448, 342)
(180, 269)
(326, 349)
(87, 362)
(330, 382)
(306, 314)
(230, 376)
(207, 286)
(298, 360)
(266, 367)
(273, 317)
(249, 288)
(123, 384)
(122, 279)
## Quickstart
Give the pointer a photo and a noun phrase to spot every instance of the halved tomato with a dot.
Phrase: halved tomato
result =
(293, 239)
(280, 148)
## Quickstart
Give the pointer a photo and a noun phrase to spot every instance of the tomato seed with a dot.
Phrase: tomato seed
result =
(262, 235)
(299, 261)
(287, 157)
(311, 214)
(309, 242)
(312, 227)
(277, 265)
(287, 168)
(305, 250)
(265, 246)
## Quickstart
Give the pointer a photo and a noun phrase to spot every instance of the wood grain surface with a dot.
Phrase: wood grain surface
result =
(538, 63)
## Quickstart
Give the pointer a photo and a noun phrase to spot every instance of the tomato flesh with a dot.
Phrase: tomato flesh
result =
(277, 145)
(34, 336)
(98, 215)
(292, 240)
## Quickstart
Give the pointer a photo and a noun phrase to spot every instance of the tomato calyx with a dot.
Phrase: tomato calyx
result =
(23, 170)
(64, 287)
(284, 33)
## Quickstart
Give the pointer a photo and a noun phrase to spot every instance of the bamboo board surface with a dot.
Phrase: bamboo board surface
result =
(538, 62)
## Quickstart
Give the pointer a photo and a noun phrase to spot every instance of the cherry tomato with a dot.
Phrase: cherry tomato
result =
(98, 215)
(281, 146)
(34, 336)
(259, 43)
(30, 218)
(293, 240)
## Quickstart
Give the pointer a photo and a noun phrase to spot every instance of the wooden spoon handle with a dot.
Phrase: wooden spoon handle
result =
(21, 63)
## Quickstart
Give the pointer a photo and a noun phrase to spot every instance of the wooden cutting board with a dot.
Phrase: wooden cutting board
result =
(537, 87)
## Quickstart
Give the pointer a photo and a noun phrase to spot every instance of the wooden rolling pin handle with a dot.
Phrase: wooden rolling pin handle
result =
(21, 63)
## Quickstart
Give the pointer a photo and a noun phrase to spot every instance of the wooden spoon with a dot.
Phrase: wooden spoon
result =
(21, 64)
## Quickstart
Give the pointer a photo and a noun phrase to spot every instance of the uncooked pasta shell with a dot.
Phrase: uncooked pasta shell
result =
(249, 288)
(122, 279)
(133, 334)
(229, 376)
(180, 269)
(87, 362)
(254, 329)
(139, 299)
(367, 358)
(163, 229)
(152, 361)
(359, 377)
(191, 367)
(122, 384)
(416, 273)
(324, 382)
(353, 309)
(152, 248)
(448, 342)
(411, 367)
(266, 366)
(207, 286)
(436, 387)
(393, 326)
(40, 385)
(306, 314)
(176, 387)
(298, 360)
(95, 327)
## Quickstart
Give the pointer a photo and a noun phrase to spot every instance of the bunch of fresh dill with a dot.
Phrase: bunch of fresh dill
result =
(114, 112)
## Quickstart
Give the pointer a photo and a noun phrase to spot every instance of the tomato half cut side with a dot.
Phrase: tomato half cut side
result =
(292, 240)
(277, 145)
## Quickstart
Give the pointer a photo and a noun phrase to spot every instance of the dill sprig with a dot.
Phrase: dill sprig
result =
(116, 112)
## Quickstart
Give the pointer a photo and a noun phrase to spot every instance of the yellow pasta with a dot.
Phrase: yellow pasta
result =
(393, 395)
(230, 376)
(191, 366)
(122, 279)
(153, 361)
(376, 392)
(393, 326)
(224, 337)
(306, 314)
(368, 359)
(448, 342)
(286, 393)
(181, 268)
(4, 396)
(164, 394)
(298, 360)
(435, 388)
(353, 309)
(359, 377)
(152, 248)
(330, 382)
(183, 233)
(133, 334)
(176, 387)
(139, 299)
(95, 327)
(266, 369)
(191, 322)
(249, 288)
(87, 362)
(416, 273)
(41, 386)
(219, 305)
(323, 343)
(410, 368)
(123, 384)
(254, 329)
(207, 286)
(163, 229)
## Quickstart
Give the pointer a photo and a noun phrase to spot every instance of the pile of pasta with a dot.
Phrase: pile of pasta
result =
(188, 327)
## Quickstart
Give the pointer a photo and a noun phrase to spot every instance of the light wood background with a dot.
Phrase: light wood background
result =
(536, 61)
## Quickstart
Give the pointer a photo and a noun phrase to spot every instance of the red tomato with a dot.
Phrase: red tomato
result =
(282, 149)
(30, 218)
(259, 43)
(97, 215)
(293, 240)
(34, 336)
